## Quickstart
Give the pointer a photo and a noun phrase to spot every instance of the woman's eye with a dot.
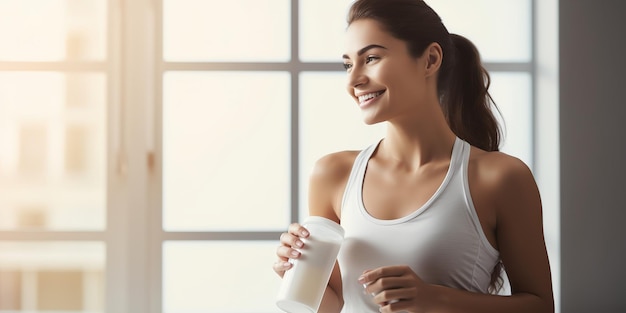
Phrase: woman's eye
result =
(370, 59)
(347, 66)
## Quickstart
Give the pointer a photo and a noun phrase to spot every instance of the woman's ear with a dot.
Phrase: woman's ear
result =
(433, 56)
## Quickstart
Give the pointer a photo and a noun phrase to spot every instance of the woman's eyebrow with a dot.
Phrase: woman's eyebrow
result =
(364, 49)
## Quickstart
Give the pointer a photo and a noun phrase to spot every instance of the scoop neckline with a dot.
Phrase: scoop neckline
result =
(455, 155)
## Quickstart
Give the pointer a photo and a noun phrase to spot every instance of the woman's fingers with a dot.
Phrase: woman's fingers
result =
(298, 230)
(292, 238)
(289, 243)
(371, 276)
(392, 296)
(386, 283)
(285, 253)
(289, 240)
(395, 288)
(280, 267)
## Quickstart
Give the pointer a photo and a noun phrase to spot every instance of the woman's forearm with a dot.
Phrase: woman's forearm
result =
(453, 300)
(331, 303)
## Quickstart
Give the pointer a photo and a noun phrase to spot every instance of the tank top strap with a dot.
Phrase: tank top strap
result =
(358, 171)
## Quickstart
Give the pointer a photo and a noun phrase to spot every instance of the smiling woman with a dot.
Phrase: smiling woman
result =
(434, 205)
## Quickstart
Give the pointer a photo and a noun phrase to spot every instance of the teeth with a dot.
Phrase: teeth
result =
(369, 96)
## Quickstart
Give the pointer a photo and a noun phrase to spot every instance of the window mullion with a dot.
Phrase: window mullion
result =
(138, 93)
(131, 93)
(116, 290)
(155, 184)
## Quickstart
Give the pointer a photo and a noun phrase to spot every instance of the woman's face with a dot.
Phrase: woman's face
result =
(383, 78)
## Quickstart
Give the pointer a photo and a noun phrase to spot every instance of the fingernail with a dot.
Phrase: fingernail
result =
(362, 280)
(295, 253)
(364, 288)
(364, 291)
(299, 244)
(286, 264)
(304, 233)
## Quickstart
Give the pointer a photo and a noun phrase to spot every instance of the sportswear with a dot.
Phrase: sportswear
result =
(442, 241)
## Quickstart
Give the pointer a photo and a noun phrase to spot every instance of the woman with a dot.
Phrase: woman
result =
(433, 211)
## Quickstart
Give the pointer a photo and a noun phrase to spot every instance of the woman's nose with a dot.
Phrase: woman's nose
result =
(356, 77)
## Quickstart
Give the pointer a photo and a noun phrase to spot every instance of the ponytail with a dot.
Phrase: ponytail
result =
(463, 89)
(497, 281)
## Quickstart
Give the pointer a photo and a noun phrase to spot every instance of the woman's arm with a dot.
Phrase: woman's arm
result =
(326, 185)
(519, 232)
(332, 302)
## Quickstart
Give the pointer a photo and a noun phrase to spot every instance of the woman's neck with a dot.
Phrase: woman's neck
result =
(417, 142)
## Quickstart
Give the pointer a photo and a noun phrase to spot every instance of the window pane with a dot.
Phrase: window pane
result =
(234, 30)
(220, 277)
(52, 276)
(500, 29)
(52, 151)
(322, 29)
(53, 30)
(226, 138)
(330, 121)
(512, 93)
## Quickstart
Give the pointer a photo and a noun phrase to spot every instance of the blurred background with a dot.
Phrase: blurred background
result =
(152, 151)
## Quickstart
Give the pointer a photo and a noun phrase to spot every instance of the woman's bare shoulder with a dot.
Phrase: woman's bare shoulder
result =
(327, 183)
(334, 166)
(498, 167)
(501, 177)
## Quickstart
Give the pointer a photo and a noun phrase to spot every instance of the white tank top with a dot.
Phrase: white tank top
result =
(442, 241)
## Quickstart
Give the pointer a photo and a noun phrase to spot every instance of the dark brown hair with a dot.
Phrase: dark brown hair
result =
(462, 82)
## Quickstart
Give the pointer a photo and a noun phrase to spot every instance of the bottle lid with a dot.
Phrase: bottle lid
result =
(326, 223)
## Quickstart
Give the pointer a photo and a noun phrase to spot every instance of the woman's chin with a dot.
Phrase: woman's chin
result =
(371, 121)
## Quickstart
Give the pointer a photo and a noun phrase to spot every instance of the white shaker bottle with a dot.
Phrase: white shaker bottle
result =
(303, 285)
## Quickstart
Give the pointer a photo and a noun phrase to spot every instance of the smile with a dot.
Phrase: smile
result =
(363, 98)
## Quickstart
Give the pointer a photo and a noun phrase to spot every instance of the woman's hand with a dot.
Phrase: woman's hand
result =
(289, 242)
(398, 289)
